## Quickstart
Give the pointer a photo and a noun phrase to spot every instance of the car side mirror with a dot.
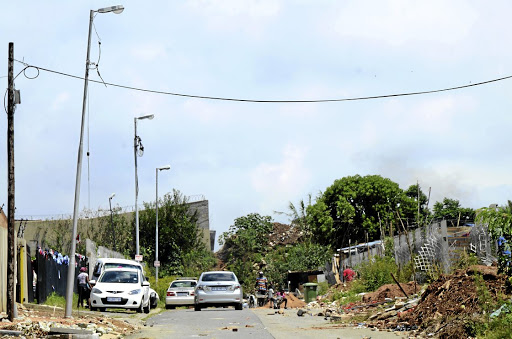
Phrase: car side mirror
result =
(145, 283)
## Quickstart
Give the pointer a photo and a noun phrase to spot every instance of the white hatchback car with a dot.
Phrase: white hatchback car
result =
(121, 288)
(180, 293)
(218, 288)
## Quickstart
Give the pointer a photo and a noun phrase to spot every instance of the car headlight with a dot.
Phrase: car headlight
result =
(137, 291)
(96, 291)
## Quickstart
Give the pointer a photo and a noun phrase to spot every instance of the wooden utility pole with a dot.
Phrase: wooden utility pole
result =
(11, 237)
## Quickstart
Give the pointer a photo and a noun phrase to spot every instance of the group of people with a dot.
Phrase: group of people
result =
(265, 288)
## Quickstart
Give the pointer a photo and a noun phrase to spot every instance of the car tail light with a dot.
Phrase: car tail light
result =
(171, 294)
(192, 293)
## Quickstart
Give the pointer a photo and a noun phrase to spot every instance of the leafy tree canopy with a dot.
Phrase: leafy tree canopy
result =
(354, 205)
(450, 209)
(178, 235)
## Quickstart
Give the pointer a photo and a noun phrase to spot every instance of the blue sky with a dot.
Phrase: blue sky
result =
(257, 157)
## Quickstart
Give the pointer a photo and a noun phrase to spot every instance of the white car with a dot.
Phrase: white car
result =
(218, 288)
(180, 293)
(121, 288)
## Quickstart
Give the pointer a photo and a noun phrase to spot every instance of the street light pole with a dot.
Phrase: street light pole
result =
(112, 222)
(157, 264)
(137, 145)
(71, 267)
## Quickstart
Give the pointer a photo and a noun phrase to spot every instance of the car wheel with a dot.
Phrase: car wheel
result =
(102, 309)
(92, 308)
(167, 307)
(147, 308)
(239, 307)
(140, 308)
(197, 307)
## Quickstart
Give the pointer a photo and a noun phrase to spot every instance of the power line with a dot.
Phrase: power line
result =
(273, 101)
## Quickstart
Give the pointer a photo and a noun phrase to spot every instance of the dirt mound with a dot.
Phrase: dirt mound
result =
(391, 291)
(293, 302)
(448, 303)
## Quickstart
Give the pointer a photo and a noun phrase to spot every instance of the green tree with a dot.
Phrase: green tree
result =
(355, 205)
(420, 200)
(102, 230)
(178, 234)
(245, 243)
(499, 222)
(451, 210)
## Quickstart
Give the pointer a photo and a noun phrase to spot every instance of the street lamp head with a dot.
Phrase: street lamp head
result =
(116, 9)
(112, 195)
(164, 167)
(150, 116)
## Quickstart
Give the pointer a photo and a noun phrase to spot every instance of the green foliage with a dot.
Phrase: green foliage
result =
(105, 229)
(377, 272)
(354, 206)
(178, 234)
(465, 259)
(415, 193)
(246, 243)
(299, 257)
(56, 300)
(499, 223)
(451, 210)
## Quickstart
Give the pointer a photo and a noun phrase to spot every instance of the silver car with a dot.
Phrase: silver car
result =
(218, 288)
(180, 293)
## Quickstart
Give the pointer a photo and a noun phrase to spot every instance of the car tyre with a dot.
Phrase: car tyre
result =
(140, 308)
(92, 308)
(147, 308)
(102, 309)
(197, 307)
(239, 307)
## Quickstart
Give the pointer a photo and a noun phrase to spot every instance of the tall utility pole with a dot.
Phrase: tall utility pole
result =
(11, 237)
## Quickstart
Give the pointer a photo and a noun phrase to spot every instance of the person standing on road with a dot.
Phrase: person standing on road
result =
(83, 287)
(261, 289)
(271, 296)
(261, 283)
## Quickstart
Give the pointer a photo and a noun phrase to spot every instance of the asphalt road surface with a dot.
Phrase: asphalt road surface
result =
(249, 323)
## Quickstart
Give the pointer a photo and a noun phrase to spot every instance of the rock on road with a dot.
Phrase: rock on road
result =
(248, 323)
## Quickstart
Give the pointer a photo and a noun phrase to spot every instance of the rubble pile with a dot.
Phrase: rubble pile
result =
(39, 321)
(453, 299)
(283, 234)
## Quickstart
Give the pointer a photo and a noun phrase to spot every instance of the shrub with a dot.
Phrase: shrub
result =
(376, 272)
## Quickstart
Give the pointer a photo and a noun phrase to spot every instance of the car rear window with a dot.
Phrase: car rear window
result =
(119, 277)
(183, 284)
(219, 277)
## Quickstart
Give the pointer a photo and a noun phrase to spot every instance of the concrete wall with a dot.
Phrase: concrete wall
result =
(37, 231)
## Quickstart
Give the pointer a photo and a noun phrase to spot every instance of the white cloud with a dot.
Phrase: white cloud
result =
(398, 22)
(279, 182)
(228, 15)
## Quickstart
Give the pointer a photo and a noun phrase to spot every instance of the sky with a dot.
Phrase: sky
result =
(247, 157)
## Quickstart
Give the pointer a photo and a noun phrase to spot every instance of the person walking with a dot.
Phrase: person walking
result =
(83, 287)
(261, 288)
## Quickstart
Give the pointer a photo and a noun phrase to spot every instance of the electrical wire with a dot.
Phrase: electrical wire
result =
(373, 97)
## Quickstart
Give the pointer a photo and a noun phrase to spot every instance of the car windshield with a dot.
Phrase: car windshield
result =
(119, 277)
(183, 284)
(119, 265)
(219, 277)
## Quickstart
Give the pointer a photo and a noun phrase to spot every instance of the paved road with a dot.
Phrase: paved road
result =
(253, 323)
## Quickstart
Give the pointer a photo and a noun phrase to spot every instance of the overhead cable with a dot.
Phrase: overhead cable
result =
(274, 101)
